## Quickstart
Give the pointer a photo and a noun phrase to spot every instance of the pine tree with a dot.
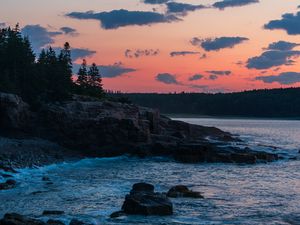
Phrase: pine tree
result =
(82, 79)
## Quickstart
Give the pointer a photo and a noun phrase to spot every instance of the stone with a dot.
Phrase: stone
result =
(142, 200)
(183, 191)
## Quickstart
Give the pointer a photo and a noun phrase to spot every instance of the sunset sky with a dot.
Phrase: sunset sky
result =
(175, 45)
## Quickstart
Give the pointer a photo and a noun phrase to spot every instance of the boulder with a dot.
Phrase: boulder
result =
(183, 191)
(17, 219)
(9, 184)
(142, 200)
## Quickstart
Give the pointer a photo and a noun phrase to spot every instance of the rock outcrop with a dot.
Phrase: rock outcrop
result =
(142, 200)
(105, 128)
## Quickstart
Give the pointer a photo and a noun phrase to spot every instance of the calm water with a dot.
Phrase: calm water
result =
(234, 194)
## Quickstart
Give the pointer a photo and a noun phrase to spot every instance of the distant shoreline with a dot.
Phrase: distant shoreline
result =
(197, 116)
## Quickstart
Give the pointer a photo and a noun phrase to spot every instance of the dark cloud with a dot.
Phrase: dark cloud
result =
(77, 53)
(285, 78)
(155, 1)
(182, 8)
(121, 18)
(282, 46)
(69, 31)
(81, 53)
(183, 53)
(109, 71)
(215, 74)
(115, 70)
(196, 77)
(167, 78)
(140, 52)
(289, 22)
(272, 58)
(233, 3)
(217, 43)
(219, 72)
(39, 36)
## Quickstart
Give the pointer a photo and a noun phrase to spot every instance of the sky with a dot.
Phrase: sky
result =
(170, 45)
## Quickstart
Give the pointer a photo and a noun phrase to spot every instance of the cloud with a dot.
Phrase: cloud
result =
(77, 53)
(2, 25)
(233, 3)
(115, 70)
(217, 43)
(219, 72)
(272, 58)
(285, 78)
(196, 77)
(121, 18)
(182, 8)
(215, 74)
(81, 53)
(282, 46)
(39, 36)
(69, 31)
(183, 53)
(167, 78)
(288, 22)
(109, 71)
(140, 52)
(155, 1)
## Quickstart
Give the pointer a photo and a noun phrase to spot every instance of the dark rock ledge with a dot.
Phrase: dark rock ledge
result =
(92, 128)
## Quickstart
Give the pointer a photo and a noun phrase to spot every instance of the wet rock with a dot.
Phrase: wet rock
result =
(54, 222)
(143, 200)
(17, 219)
(142, 187)
(9, 184)
(117, 214)
(183, 191)
(53, 212)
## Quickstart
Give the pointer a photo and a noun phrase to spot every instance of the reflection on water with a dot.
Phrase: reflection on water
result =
(234, 194)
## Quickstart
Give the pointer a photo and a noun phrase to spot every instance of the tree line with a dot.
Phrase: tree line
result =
(255, 103)
(46, 78)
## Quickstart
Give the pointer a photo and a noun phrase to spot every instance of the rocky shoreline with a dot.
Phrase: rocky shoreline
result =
(86, 127)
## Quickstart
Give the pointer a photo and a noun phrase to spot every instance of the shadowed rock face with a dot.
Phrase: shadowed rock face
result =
(143, 200)
(104, 128)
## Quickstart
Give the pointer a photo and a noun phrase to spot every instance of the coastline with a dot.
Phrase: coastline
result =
(188, 116)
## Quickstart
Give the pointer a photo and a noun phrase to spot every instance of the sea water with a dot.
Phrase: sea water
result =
(92, 189)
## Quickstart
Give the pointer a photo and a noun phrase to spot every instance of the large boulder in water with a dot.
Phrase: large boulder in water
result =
(143, 200)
